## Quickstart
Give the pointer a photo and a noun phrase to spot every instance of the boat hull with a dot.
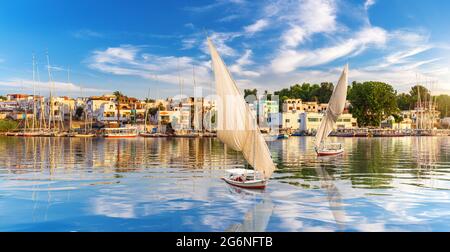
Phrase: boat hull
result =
(84, 135)
(329, 152)
(254, 184)
(120, 136)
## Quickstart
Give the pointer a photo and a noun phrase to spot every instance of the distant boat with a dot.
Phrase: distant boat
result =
(237, 129)
(83, 135)
(120, 132)
(334, 110)
(147, 134)
(283, 136)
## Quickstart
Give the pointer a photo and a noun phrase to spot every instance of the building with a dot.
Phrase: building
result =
(390, 123)
(291, 120)
(268, 113)
(445, 122)
(290, 105)
(19, 97)
(311, 107)
(422, 118)
(310, 122)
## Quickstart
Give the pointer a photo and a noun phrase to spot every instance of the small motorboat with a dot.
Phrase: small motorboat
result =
(245, 179)
(283, 136)
(330, 149)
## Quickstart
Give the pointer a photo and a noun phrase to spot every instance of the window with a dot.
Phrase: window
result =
(313, 119)
(288, 120)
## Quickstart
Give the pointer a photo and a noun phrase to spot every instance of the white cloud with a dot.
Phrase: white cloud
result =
(307, 18)
(258, 26)
(289, 60)
(238, 67)
(220, 39)
(368, 4)
(64, 87)
(294, 36)
(188, 43)
(128, 60)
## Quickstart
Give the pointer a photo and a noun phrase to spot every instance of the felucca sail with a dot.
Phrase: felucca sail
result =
(335, 108)
(236, 124)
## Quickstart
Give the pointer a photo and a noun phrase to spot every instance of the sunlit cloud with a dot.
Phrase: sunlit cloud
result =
(60, 87)
(128, 60)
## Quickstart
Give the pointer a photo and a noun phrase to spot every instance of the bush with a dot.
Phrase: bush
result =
(8, 125)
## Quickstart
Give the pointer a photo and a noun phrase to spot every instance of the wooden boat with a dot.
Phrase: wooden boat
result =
(244, 178)
(330, 150)
(120, 132)
(83, 135)
(31, 134)
(334, 110)
(245, 138)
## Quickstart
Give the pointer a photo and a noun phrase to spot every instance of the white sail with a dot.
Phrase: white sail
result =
(236, 124)
(335, 108)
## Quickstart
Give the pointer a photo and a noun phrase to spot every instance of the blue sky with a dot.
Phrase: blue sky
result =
(142, 47)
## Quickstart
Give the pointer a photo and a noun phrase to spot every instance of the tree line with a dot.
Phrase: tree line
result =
(371, 102)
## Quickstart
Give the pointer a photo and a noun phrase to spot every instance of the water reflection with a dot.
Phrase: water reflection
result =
(75, 184)
(257, 218)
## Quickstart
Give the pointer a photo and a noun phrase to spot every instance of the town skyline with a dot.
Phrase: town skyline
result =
(165, 47)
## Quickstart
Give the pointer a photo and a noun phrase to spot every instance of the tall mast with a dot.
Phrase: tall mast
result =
(51, 116)
(34, 94)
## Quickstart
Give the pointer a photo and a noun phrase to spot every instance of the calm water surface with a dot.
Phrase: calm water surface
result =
(69, 184)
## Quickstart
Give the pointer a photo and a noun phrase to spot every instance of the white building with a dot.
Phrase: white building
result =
(310, 122)
(291, 120)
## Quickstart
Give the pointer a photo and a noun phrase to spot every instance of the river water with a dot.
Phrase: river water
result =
(70, 184)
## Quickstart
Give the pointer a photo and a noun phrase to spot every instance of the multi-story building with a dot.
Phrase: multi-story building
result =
(291, 120)
(290, 105)
(310, 122)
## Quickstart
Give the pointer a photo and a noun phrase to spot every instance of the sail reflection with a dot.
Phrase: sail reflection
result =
(258, 217)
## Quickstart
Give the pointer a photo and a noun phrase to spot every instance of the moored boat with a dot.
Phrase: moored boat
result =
(334, 110)
(245, 138)
(245, 179)
(330, 150)
(83, 135)
(120, 132)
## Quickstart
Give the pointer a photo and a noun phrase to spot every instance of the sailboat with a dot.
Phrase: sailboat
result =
(335, 108)
(238, 130)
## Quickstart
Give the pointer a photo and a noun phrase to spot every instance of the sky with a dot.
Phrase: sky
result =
(147, 48)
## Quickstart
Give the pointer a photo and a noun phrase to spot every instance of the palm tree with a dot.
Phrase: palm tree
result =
(118, 96)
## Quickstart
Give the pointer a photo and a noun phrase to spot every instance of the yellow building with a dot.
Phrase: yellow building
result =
(310, 122)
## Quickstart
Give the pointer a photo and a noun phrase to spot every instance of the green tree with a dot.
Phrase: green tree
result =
(425, 94)
(118, 96)
(404, 101)
(443, 105)
(372, 102)
(248, 92)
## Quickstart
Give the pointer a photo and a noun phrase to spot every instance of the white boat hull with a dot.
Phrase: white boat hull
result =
(251, 184)
(329, 152)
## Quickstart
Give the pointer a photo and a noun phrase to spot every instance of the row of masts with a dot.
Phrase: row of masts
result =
(51, 123)
(425, 108)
